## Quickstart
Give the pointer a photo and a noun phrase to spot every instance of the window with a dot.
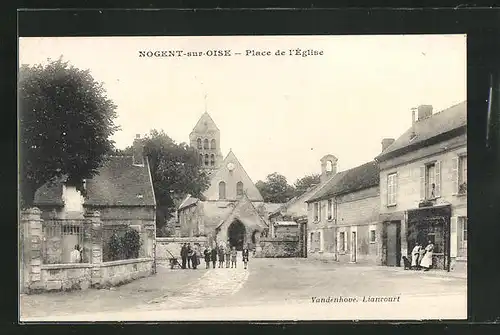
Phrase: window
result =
(430, 181)
(199, 143)
(462, 175)
(330, 209)
(222, 190)
(392, 181)
(212, 145)
(206, 159)
(372, 236)
(317, 212)
(212, 160)
(205, 144)
(329, 166)
(239, 189)
(462, 221)
(342, 241)
(201, 159)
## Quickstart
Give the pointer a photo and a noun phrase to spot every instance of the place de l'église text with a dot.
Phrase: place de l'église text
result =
(297, 52)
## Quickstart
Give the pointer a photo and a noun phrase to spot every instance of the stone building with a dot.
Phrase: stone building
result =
(122, 192)
(232, 211)
(343, 215)
(423, 180)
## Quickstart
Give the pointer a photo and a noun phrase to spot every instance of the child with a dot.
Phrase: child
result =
(228, 256)
(221, 257)
(245, 256)
(206, 253)
(234, 253)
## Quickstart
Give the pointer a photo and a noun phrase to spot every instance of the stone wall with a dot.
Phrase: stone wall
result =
(279, 247)
(123, 271)
(174, 244)
(65, 277)
(38, 277)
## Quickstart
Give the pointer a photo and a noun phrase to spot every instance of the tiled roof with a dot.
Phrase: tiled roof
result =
(303, 197)
(358, 178)
(118, 183)
(442, 122)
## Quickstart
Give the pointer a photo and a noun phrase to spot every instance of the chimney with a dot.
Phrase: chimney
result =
(424, 111)
(138, 151)
(328, 167)
(386, 142)
(413, 120)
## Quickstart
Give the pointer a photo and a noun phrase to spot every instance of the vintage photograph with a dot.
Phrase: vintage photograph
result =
(224, 178)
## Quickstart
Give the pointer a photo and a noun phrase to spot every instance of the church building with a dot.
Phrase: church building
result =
(232, 211)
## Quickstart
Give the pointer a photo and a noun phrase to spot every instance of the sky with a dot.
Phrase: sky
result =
(276, 113)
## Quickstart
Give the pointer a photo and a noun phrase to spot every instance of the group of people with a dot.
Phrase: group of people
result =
(422, 257)
(191, 256)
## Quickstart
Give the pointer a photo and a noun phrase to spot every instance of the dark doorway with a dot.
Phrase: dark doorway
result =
(393, 243)
(236, 234)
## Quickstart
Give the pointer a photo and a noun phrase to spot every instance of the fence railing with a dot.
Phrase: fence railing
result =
(59, 239)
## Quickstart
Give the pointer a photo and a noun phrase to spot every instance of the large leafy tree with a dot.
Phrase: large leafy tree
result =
(65, 124)
(304, 183)
(175, 171)
(275, 188)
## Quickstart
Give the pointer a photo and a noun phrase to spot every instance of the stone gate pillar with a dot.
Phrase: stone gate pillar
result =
(94, 224)
(32, 223)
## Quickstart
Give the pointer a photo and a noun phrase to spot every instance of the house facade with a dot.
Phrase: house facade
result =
(343, 216)
(423, 188)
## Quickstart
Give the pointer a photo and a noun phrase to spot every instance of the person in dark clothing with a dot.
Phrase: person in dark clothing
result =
(221, 256)
(194, 258)
(184, 255)
(189, 255)
(206, 253)
(245, 256)
(213, 255)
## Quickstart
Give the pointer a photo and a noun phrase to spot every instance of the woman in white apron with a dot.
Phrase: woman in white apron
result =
(415, 254)
(426, 262)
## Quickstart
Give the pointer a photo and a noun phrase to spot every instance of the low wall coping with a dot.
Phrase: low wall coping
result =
(181, 239)
(126, 261)
(65, 266)
(279, 239)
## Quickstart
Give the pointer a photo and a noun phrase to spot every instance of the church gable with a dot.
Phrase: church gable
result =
(231, 181)
(246, 213)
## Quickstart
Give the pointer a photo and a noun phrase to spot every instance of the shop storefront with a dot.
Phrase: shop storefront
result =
(431, 223)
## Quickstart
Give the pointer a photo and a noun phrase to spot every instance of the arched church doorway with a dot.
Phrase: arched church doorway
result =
(236, 234)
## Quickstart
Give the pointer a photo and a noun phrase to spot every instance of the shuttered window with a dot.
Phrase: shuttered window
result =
(391, 189)
(430, 181)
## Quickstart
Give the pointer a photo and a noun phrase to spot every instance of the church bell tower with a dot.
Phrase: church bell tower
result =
(205, 138)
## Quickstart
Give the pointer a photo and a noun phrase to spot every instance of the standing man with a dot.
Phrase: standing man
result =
(184, 255)
(189, 255)
(194, 257)
(228, 255)
(213, 255)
